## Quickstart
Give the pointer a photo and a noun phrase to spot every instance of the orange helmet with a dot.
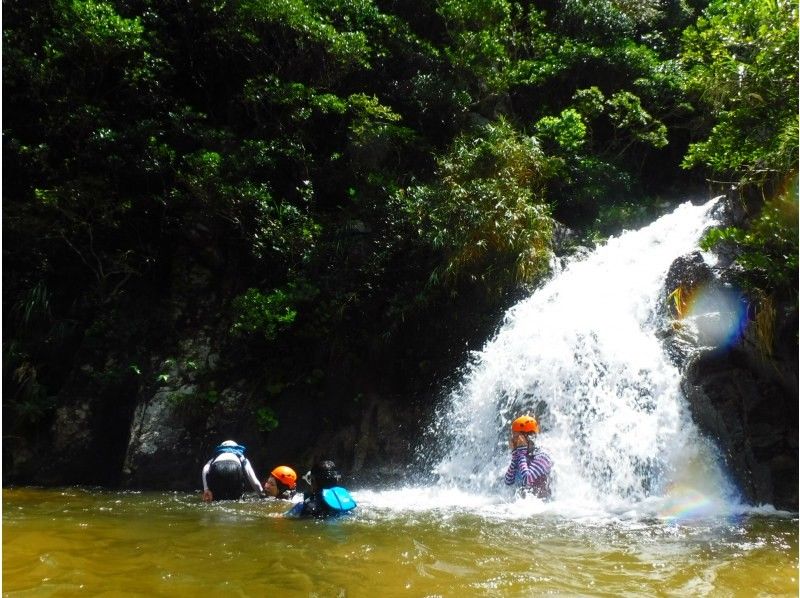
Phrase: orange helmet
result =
(525, 424)
(285, 475)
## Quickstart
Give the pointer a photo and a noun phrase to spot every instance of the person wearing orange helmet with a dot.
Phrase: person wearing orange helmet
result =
(281, 483)
(530, 466)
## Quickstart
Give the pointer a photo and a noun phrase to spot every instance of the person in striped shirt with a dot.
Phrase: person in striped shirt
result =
(530, 466)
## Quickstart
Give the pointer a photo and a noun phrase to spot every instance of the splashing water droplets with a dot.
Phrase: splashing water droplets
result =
(581, 355)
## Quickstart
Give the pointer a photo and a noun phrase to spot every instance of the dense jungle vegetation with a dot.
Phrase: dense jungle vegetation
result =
(364, 182)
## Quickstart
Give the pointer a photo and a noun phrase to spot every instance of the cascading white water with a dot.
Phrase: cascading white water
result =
(581, 354)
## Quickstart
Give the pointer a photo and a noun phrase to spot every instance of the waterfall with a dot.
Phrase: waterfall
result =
(581, 354)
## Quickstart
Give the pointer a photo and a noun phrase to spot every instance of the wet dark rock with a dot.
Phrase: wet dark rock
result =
(753, 417)
(688, 271)
(741, 385)
(157, 455)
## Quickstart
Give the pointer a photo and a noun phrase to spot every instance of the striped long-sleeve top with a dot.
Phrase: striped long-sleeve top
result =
(530, 471)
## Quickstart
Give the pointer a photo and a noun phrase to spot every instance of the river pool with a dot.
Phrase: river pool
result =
(408, 542)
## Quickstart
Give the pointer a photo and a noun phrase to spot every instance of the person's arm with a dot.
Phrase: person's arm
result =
(207, 495)
(296, 510)
(511, 472)
(251, 475)
(515, 442)
(519, 465)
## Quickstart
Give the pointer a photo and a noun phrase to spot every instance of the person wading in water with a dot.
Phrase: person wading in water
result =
(225, 474)
(530, 466)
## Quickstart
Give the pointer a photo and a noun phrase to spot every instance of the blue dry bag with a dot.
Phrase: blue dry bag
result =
(338, 498)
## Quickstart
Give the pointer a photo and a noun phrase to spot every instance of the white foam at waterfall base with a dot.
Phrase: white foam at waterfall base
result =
(581, 355)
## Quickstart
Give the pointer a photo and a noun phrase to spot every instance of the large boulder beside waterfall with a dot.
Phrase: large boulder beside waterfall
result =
(738, 358)
(752, 414)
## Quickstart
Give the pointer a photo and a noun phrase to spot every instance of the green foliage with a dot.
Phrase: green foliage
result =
(266, 419)
(348, 48)
(478, 30)
(33, 337)
(267, 314)
(630, 122)
(99, 24)
(627, 114)
(371, 118)
(486, 210)
(589, 102)
(35, 307)
(599, 20)
(589, 170)
(566, 131)
(742, 62)
(30, 402)
(199, 401)
(153, 151)
(768, 250)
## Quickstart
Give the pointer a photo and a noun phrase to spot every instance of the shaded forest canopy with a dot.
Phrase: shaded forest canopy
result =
(346, 193)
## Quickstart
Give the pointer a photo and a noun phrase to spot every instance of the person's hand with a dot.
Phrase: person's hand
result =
(207, 496)
(517, 440)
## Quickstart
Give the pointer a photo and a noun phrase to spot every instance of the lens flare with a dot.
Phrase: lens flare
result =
(719, 315)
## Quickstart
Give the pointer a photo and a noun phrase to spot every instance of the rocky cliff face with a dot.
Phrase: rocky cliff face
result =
(739, 360)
